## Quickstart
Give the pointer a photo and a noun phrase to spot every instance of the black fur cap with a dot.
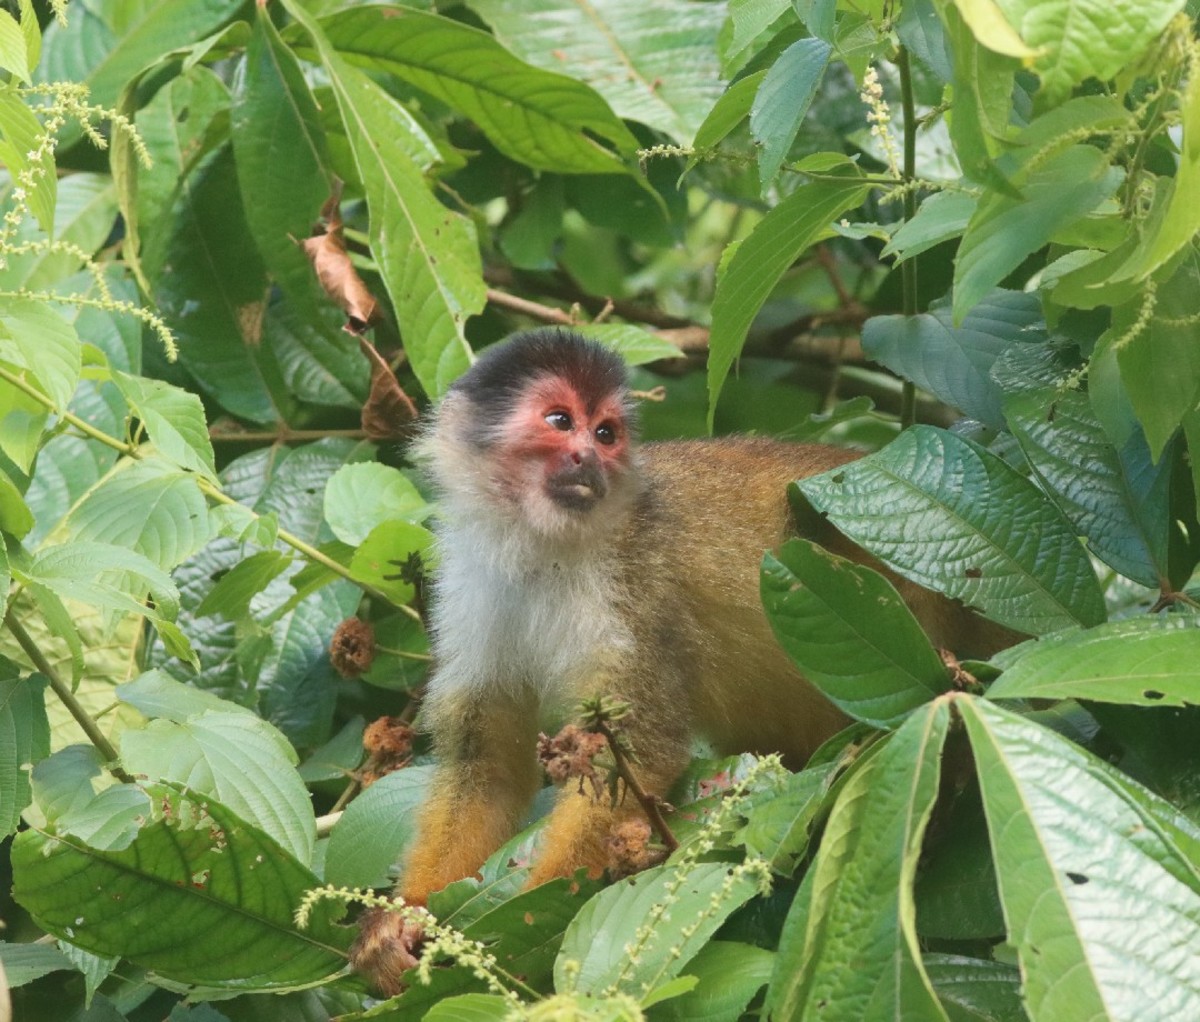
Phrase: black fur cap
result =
(504, 370)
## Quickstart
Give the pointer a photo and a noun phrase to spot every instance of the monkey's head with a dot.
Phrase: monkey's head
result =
(538, 433)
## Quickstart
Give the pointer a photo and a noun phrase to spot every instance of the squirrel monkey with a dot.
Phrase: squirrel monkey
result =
(574, 563)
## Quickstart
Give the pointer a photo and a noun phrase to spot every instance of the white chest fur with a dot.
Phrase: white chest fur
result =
(531, 619)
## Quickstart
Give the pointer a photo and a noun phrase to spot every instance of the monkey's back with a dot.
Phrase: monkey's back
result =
(709, 511)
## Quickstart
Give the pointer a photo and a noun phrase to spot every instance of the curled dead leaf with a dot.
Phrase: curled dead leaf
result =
(388, 410)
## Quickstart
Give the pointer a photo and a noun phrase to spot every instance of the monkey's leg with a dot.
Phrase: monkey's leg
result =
(486, 778)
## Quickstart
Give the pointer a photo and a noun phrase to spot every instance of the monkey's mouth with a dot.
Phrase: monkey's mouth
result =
(579, 488)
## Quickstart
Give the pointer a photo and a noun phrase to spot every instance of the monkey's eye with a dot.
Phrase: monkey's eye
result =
(606, 433)
(559, 420)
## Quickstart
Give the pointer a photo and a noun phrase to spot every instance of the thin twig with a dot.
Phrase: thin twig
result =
(648, 801)
(64, 693)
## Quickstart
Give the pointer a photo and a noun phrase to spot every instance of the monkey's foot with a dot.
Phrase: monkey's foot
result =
(385, 949)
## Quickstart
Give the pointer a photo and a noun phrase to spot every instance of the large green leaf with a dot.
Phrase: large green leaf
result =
(147, 505)
(359, 497)
(1160, 363)
(104, 45)
(282, 162)
(19, 133)
(859, 958)
(946, 513)
(976, 990)
(376, 829)
(24, 739)
(761, 259)
(1143, 661)
(1076, 40)
(1101, 905)
(1118, 500)
(83, 215)
(684, 910)
(850, 633)
(174, 419)
(181, 126)
(200, 897)
(654, 63)
(954, 362)
(783, 99)
(238, 759)
(730, 974)
(215, 294)
(428, 255)
(42, 346)
(544, 120)
(1004, 230)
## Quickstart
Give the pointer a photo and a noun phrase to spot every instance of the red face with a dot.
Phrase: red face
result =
(573, 447)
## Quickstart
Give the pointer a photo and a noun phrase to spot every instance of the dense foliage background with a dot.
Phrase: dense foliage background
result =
(230, 228)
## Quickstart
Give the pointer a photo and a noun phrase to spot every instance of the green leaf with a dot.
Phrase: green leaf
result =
(1141, 661)
(783, 100)
(525, 931)
(15, 516)
(632, 343)
(376, 829)
(860, 959)
(696, 899)
(24, 739)
(983, 85)
(156, 694)
(470, 1008)
(546, 121)
(238, 759)
(989, 25)
(215, 293)
(730, 975)
(106, 45)
(779, 824)
(1117, 500)
(1071, 839)
(761, 259)
(941, 217)
(1074, 42)
(84, 215)
(14, 53)
(282, 162)
(234, 590)
(975, 989)
(428, 256)
(850, 633)
(145, 505)
(954, 363)
(104, 576)
(945, 513)
(36, 339)
(23, 963)
(1180, 218)
(1160, 364)
(1005, 230)
(727, 113)
(77, 797)
(654, 64)
(174, 419)
(195, 870)
(19, 133)
(360, 496)
(380, 559)
(181, 126)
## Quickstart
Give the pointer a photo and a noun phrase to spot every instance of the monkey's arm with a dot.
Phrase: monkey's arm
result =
(486, 777)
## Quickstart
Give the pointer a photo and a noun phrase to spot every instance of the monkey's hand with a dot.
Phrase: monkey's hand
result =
(385, 949)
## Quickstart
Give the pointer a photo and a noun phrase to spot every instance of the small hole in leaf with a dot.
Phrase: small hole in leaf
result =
(974, 573)
(1152, 693)
(1077, 878)
(838, 477)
